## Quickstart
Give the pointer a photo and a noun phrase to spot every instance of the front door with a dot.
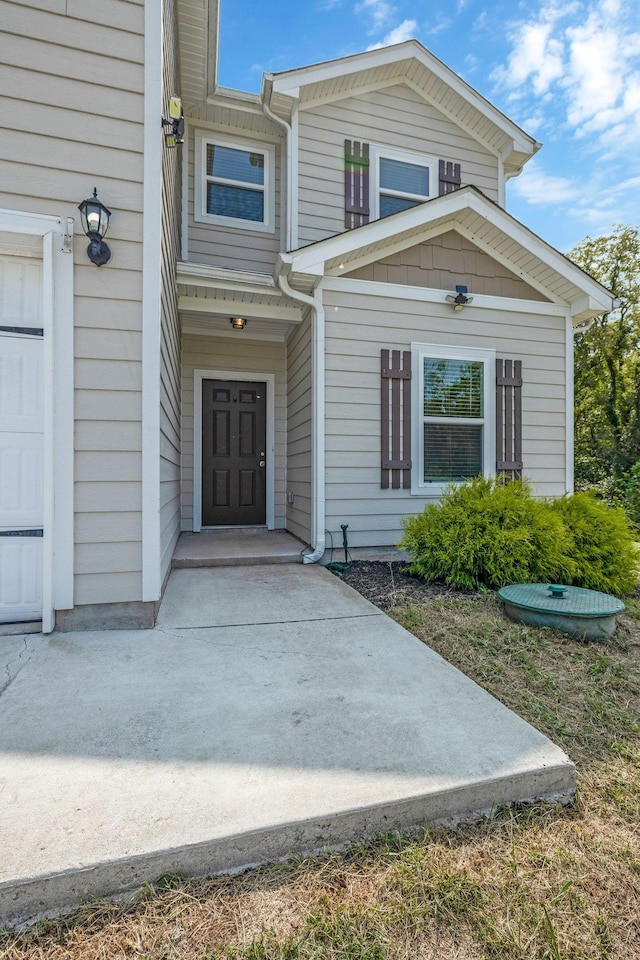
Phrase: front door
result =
(233, 452)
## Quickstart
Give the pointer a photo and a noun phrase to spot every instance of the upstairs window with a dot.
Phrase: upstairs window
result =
(234, 183)
(401, 180)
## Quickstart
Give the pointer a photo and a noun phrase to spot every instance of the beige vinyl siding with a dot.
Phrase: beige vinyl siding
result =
(356, 332)
(445, 262)
(395, 117)
(231, 247)
(299, 426)
(229, 354)
(170, 325)
(77, 122)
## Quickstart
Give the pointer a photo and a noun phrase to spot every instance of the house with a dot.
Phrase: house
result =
(317, 309)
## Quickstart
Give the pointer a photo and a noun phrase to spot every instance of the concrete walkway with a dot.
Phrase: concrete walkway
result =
(272, 710)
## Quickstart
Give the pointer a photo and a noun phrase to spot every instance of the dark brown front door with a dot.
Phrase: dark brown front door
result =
(233, 452)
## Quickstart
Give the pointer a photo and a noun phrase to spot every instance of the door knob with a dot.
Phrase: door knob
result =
(262, 463)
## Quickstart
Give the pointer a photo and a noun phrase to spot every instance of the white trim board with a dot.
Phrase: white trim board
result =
(269, 379)
(151, 306)
(397, 291)
(55, 235)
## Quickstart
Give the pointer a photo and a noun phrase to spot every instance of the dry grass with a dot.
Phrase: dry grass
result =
(528, 884)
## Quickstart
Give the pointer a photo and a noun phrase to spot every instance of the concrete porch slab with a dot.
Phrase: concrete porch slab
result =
(236, 547)
(207, 747)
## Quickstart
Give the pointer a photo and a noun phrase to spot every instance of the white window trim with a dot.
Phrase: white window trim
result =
(377, 153)
(488, 358)
(200, 215)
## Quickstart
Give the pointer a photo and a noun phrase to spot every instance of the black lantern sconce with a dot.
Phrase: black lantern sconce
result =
(461, 299)
(95, 223)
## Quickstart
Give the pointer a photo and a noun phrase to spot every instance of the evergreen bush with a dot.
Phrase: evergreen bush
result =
(486, 532)
(489, 533)
(600, 543)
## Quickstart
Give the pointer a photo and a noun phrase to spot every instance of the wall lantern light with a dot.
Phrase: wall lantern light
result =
(461, 299)
(174, 132)
(95, 223)
(238, 323)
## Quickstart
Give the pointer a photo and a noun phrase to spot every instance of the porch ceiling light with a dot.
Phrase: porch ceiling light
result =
(238, 323)
(95, 223)
(461, 299)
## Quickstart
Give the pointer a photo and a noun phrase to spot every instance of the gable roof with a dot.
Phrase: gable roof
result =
(474, 216)
(412, 64)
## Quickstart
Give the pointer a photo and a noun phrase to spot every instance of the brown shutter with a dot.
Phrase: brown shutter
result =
(356, 183)
(509, 417)
(449, 174)
(395, 419)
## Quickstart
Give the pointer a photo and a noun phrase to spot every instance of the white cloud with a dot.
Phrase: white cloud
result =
(581, 61)
(404, 31)
(542, 189)
(379, 12)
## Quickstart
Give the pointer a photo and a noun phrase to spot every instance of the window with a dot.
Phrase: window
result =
(454, 422)
(234, 183)
(401, 180)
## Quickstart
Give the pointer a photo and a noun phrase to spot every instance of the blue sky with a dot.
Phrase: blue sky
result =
(567, 72)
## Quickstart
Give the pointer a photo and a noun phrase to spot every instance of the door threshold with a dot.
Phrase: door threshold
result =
(18, 628)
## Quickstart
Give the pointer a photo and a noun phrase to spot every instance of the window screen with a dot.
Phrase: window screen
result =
(453, 391)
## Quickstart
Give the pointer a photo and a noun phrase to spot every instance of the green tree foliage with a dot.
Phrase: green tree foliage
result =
(607, 366)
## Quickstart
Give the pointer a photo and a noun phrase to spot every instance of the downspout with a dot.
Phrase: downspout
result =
(289, 169)
(317, 434)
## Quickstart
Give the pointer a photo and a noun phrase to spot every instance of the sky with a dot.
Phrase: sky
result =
(567, 72)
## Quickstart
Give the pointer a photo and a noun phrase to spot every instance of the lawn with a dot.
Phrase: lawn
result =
(535, 882)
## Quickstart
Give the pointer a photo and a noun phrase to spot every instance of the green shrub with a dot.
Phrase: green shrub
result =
(600, 543)
(488, 533)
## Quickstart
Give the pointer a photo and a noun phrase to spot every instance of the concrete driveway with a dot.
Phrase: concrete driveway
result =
(271, 711)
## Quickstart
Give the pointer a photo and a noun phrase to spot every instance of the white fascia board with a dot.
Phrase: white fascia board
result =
(199, 274)
(396, 291)
(588, 307)
(239, 308)
(290, 82)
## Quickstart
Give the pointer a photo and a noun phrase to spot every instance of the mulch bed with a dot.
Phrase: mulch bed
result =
(386, 584)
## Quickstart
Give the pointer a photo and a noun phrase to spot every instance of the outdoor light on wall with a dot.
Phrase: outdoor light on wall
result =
(461, 299)
(175, 132)
(95, 223)
(238, 323)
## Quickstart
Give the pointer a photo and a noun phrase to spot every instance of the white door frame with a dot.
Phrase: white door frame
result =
(269, 379)
(53, 238)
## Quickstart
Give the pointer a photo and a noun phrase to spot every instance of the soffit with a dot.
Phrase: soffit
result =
(197, 47)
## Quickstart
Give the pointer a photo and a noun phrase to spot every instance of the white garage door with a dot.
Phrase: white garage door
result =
(21, 439)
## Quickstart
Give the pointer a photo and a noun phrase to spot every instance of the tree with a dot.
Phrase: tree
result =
(607, 364)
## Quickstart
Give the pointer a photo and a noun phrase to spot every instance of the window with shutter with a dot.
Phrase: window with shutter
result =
(449, 177)
(509, 417)
(356, 183)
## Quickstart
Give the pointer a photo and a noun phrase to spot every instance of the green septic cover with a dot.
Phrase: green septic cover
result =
(575, 602)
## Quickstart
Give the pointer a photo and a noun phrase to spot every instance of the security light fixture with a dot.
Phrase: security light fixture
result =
(238, 323)
(95, 223)
(461, 299)
(175, 124)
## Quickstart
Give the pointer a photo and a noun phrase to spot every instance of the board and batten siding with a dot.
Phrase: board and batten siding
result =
(299, 427)
(229, 355)
(170, 519)
(76, 121)
(233, 248)
(395, 117)
(444, 262)
(357, 328)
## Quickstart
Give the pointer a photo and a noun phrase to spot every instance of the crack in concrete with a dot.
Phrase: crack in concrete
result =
(268, 623)
(9, 676)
